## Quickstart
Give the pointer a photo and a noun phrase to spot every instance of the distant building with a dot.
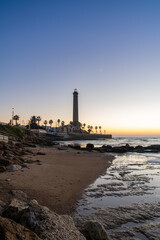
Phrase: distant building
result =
(75, 106)
(76, 124)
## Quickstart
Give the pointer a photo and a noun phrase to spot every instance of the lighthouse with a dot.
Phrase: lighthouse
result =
(75, 107)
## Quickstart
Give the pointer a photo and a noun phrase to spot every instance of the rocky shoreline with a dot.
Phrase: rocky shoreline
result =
(136, 221)
(24, 218)
(119, 149)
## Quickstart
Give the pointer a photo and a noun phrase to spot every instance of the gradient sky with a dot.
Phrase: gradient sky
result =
(108, 49)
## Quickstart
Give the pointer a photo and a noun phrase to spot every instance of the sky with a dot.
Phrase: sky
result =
(108, 49)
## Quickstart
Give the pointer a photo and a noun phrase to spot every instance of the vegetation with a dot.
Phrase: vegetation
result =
(58, 121)
(50, 122)
(14, 131)
(45, 123)
(38, 119)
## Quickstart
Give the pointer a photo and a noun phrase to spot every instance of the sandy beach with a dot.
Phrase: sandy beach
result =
(58, 180)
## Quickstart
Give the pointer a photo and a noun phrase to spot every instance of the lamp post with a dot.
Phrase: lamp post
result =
(12, 116)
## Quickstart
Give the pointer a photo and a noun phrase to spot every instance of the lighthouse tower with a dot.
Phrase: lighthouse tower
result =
(75, 107)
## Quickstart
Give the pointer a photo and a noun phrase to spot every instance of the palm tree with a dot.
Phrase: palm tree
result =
(84, 125)
(33, 122)
(16, 118)
(45, 123)
(91, 128)
(51, 122)
(38, 119)
(58, 121)
(100, 128)
(96, 128)
(62, 123)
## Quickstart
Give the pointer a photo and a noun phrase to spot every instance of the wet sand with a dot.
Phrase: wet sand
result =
(58, 180)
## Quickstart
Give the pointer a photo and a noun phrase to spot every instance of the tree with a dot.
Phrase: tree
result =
(51, 122)
(38, 119)
(100, 128)
(84, 125)
(62, 124)
(91, 128)
(45, 122)
(16, 118)
(58, 121)
(33, 122)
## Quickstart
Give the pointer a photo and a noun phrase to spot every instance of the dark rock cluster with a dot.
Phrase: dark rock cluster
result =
(11, 154)
(122, 149)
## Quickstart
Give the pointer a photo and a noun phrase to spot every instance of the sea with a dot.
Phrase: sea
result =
(131, 178)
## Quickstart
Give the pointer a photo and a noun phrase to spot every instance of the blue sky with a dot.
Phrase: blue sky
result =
(109, 50)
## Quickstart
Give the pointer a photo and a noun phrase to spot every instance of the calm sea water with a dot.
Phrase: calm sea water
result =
(132, 177)
(120, 140)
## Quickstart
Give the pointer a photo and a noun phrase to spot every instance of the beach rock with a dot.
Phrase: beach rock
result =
(1, 153)
(101, 150)
(63, 147)
(41, 153)
(10, 230)
(139, 149)
(90, 146)
(8, 180)
(20, 195)
(2, 207)
(2, 169)
(123, 235)
(153, 148)
(13, 168)
(107, 148)
(15, 209)
(121, 149)
(151, 230)
(5, 162)
(95, 230)
(129, 148)
(1, 145)
(29, 145)
(45, 223)
(24, 165)
(19, 145)
(77, 146)
(48, 143)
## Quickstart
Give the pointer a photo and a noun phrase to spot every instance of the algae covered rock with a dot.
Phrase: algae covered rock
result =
(95, 230)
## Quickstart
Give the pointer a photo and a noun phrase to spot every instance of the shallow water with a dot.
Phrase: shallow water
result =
(131, 178)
